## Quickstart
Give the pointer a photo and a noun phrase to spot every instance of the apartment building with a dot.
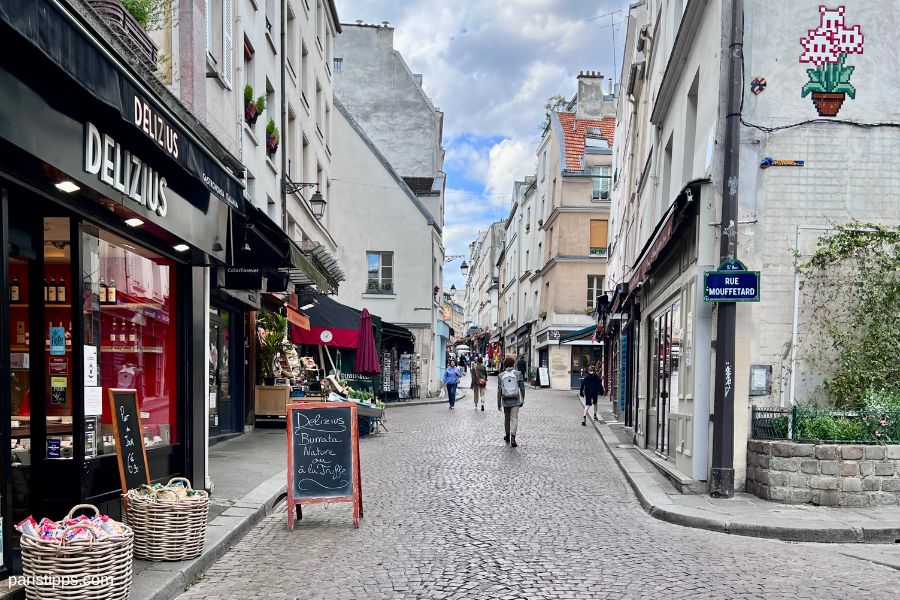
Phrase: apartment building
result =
(572, 208)
(668, 185)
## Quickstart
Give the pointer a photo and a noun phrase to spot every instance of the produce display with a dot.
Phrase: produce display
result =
(77, 529)
(171, 491)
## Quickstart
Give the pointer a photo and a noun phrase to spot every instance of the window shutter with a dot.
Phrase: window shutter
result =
(209, 42)
(227, 43)
(599, 234)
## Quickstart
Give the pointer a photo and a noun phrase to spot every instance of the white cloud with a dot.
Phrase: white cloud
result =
(510, 160)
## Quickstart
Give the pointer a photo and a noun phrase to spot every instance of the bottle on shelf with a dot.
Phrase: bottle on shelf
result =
(132, 336)
(61, 291)
(113, 333)
(51, 291)
(121, 335)
(69, 336)
(102, 291)
(14, 289)
(111, 292)
(46, 290)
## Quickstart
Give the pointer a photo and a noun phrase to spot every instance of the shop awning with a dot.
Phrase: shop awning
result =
(662, 234)
(330, 324)
(582, 335)
(81, 55)
(270, 247)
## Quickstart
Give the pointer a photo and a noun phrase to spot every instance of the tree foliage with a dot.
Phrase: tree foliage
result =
(553, 104)
(854, 276)
(150, 14)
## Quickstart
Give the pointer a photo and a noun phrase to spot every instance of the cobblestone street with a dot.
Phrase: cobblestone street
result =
(452, 512)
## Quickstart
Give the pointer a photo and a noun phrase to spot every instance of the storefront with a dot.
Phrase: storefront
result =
(111, 210)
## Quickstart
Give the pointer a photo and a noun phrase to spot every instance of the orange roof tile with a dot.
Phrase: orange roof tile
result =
(574, 131)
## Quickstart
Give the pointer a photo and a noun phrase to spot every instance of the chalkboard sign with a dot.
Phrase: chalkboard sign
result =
(323, 456)
(127, 430)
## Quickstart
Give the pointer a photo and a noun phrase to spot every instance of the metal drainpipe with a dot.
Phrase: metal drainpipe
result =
(284, 220)
(722, 475)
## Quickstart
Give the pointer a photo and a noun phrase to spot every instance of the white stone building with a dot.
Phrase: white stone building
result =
(667, 194)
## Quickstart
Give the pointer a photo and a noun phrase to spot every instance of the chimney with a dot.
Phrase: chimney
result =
(590, 95)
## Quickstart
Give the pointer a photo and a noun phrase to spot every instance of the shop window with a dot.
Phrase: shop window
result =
(130, 319)
(599, 237)
(381, 273)
(600, 176)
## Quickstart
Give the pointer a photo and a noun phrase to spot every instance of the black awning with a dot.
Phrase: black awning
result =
(69, 45)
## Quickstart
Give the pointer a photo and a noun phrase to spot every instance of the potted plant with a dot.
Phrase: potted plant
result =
(271, 335)
(372, 285)
(543, 315)
(532, 376)
(589, 310)
(252, 109)
(271, 138)
(387, 286)
(827, 47)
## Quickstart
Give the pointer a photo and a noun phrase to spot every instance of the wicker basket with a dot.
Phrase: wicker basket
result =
(166, 528)
(78, 570)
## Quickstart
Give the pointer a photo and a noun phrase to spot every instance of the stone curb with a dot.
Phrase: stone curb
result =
(659, 506)
(459, 396)
(164, 581)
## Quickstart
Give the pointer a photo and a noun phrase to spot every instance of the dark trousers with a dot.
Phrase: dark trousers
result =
(451, 393)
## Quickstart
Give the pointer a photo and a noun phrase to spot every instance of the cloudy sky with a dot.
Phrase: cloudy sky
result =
(490, 66)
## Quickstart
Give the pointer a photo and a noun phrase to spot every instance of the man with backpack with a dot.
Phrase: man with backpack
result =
(511, 397)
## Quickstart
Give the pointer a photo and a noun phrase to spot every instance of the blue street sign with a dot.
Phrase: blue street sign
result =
(730, 284)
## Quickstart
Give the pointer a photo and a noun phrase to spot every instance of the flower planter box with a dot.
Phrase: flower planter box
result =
(847, 475)
(126, 27)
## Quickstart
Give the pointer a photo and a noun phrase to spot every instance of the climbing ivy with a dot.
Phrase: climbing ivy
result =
(853, 280)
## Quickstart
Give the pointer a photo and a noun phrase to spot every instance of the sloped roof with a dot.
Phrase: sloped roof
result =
(574, 130)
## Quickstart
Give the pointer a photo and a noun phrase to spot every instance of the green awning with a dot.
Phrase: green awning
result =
(581, 334)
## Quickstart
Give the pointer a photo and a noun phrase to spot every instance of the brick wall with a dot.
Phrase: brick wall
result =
(824, 474)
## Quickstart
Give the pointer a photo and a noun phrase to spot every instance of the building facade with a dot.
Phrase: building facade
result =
(574, 175)
(387, 100)
(668, 190)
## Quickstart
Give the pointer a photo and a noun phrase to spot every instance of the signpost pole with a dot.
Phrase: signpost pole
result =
(722, 475)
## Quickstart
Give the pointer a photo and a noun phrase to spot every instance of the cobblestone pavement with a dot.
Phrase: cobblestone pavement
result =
(452, 512)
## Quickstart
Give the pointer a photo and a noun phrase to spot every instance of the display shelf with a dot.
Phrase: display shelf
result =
(48, 305)
(122, 349)
(17, 348)
(24, 431)
(131, 306)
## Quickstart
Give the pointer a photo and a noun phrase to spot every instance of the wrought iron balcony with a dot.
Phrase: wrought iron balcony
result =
(128, 29)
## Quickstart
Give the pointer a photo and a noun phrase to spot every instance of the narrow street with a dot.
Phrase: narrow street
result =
(452, 512)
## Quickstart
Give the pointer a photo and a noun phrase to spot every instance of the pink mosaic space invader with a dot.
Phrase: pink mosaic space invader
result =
(827, 47)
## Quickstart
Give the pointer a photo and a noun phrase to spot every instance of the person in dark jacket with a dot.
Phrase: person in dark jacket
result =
(521, 367)
(591, 390)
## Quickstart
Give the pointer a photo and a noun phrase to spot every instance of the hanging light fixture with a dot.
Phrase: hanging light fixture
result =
(318, 204)
(453, 291)
(246, 247)
(464, 268)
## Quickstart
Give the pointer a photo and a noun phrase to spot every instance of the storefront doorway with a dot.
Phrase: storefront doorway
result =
(582, 358)
(665, 348)
(222, 417)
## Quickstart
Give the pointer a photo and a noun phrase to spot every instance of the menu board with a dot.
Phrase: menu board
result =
(127, 430)
(323, 456)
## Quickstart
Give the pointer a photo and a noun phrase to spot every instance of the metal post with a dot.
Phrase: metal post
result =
(793, 431)
(722, 476)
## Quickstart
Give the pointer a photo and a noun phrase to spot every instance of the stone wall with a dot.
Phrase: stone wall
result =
(824, 474)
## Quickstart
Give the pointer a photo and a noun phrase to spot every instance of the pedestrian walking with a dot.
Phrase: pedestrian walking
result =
(462, 363)
(521, 367)
(479, 382)
(591, 390)
(451, 380)
(510, 397)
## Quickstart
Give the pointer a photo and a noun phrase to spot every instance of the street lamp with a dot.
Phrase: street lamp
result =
(317, 202)
(464, 268)
(453, 291)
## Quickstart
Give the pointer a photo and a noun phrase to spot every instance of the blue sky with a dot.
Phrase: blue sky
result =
(490, 66)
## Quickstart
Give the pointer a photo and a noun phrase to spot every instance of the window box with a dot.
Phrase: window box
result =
(598, 252)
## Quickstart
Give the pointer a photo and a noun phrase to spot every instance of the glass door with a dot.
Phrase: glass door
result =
(221, 405)
(664, 371)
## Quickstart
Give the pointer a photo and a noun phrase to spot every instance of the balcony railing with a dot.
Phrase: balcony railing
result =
(598, 251)
(128, 29)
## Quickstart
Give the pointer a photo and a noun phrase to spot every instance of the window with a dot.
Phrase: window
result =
(599, 237)
(543, 167)
(291, 40)
(338, 64)
(304, 71)
(594, 289)
(135, 316)
(381, 273)
(251, 186)
(601, 183)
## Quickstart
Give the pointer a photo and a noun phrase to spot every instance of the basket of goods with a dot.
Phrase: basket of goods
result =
(169, 521)
(78, 558)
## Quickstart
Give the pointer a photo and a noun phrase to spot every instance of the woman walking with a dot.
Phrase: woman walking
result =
(451, 379)
(479, 381)
(511, 397)
(591, 390)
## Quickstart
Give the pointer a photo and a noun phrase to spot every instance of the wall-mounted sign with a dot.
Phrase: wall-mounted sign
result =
(731, 282)
(554, 334)
(116, 166)
(296, 318)
(243, 278)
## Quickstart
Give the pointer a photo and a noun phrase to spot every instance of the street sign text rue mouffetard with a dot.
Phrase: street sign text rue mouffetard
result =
(731, 282)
